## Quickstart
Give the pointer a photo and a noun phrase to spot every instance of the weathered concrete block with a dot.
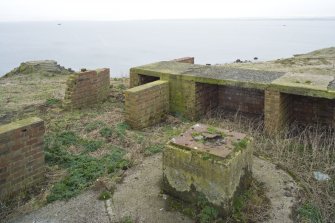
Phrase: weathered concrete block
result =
(210, 163)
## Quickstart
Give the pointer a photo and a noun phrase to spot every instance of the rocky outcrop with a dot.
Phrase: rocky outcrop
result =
(39, 66)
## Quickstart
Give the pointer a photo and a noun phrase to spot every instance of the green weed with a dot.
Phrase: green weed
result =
(67, 138)
(121, 87)
(52, 101)
(92, 145)
(126, 219)
(82, 171)
(121, 129)
(241, 144)
(309, 212)
(208, 214)
(157, 148)
(104, 195)
(106, 132)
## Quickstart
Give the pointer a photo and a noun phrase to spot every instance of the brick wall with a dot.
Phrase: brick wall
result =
(87, 88)
(21, 155)
(207, 96)
(241, 99)
(147, 104)
(282, 109)
(277, 110)
(311, 110)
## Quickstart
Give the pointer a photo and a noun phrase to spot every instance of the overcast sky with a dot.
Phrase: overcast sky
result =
(27, 10)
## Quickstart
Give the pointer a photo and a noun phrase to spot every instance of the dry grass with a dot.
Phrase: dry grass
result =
(299, 151)
(317, 62)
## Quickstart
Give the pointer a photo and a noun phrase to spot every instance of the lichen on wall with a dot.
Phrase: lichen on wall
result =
(188, 170)
(147, 104)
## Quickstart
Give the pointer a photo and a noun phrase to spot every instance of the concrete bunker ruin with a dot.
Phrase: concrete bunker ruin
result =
(279, 98)
(207, 163)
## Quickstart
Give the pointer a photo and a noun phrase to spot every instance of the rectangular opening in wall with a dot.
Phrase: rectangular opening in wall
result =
(206, 98)
(144, 79)
(228, 99)
(241, 100)
(305, 110)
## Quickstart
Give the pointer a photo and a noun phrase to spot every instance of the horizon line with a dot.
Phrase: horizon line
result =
(179, 19)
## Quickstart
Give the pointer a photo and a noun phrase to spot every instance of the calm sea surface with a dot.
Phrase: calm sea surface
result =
(121, 45)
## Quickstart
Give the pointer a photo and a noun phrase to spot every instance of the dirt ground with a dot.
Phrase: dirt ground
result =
(138, 198)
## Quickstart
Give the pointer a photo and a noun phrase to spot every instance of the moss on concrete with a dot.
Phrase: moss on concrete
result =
(210, 74)
(145, 86)
(19, 124)
(305, 84)
(189, 172)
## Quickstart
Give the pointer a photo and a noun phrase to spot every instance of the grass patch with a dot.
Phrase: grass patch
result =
(126, 219)
(151, 150)
(94, 125)
(207, 214)
(308, 212)
(92, 145)
(52, 101)
(82, 171)
(121, 87)
(106, 132)
(240, 145)
(121, 129)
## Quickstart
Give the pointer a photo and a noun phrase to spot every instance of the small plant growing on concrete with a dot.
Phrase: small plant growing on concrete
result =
(240, 144)
(104, 195)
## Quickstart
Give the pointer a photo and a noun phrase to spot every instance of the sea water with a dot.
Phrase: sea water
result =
(121, 45)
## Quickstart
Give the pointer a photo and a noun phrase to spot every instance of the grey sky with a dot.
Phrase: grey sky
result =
(26, 10)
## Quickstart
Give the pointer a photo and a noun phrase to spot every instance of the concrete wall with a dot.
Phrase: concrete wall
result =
(21, 155)
(147, 104)
(87, 88)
